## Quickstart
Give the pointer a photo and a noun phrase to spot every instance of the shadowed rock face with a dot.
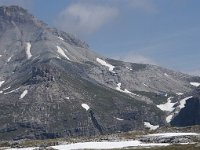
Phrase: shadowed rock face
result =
(190, 115)
(46, 75)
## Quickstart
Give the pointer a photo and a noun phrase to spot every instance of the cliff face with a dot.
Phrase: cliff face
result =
(52, 85)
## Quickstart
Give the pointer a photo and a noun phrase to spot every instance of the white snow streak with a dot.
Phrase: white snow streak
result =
(125, 90)
(150, 126)
(1, 82)
(12, 91)
(102, 62)
(61, 51)
(23, 94)
(85, 106)
(167, 106)
(28, 50)
(60, 38)
(119, 119)
(196, 84)
(8, 60)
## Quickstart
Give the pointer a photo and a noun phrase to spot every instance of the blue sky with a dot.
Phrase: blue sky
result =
(161, 32)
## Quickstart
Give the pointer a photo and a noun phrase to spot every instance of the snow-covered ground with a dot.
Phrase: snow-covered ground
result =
(104, 63)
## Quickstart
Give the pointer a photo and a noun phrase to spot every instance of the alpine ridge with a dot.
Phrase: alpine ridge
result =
(52, 85)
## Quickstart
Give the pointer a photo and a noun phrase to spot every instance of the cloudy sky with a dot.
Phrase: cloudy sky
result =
(165, 33)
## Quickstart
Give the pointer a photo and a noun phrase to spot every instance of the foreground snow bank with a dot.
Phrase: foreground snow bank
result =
(107, 145)
(101, 145)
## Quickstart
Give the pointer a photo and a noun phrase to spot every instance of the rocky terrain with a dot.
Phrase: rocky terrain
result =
(52, 86)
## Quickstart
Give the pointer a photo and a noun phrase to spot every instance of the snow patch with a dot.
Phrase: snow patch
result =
(85, 106)
(169, 118)
(0, 55)
(119, 119)
(23, 94)
(196, 84)
(28, 50)
(118, 88)
(169, 106)
(129, 68)
(61, 52)
(150, 126)
(1, 82)
(67, 97)
(179, 94)
(166, 74)
(60, 38)
(183, 102)
(102, 62)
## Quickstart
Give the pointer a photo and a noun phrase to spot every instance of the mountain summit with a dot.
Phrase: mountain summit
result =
(52, 85)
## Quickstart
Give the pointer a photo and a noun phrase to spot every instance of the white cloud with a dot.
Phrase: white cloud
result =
(22, 3)
(85, 18)
(137, 58)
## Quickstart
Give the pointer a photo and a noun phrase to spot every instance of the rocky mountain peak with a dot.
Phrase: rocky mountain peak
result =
(15, 13)
(52, 85)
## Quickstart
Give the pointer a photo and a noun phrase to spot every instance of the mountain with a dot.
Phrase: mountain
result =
(52, 85)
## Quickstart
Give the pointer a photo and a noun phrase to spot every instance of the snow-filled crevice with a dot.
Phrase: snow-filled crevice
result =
(28, 50)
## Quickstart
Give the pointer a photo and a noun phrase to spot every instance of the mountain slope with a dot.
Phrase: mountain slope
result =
(52, 85)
